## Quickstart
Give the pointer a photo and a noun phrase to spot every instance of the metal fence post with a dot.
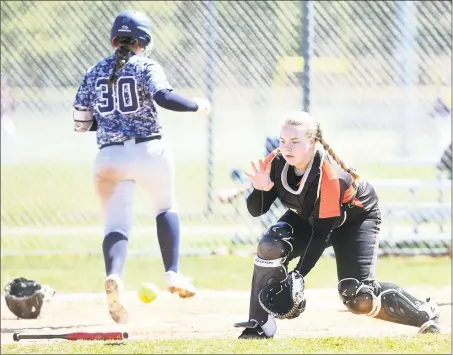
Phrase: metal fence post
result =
(210, 87)
(306, 50)
(406, 55)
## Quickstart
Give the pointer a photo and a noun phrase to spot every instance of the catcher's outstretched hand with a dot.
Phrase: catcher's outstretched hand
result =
(260, 177)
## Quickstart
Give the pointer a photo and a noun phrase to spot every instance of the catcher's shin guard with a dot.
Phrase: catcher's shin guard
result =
(265, 272)
(270, 266)
(389, 302)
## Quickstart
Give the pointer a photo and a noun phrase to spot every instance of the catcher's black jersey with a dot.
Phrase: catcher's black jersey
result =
(324, 191)
(325, 198)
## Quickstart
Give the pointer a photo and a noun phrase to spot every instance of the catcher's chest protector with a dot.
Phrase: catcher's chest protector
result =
(303, 203)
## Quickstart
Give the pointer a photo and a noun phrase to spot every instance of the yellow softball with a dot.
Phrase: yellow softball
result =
(147, 292)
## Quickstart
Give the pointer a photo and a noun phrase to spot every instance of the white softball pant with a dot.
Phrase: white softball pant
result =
(118, 168)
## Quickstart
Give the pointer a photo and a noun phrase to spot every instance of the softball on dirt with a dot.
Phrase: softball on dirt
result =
(147, 292)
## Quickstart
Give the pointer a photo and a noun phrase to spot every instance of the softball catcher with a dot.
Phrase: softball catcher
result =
(117, 98)
(327, 205)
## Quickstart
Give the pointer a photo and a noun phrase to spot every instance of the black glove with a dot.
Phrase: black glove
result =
(284, 299)
(25, 297)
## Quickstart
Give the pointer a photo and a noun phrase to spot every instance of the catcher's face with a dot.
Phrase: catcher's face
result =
(296, 147)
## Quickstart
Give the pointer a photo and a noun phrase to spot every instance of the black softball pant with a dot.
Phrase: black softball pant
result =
(355, 244)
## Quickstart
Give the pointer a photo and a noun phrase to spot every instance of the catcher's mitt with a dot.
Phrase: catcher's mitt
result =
(25, 297)
(284, 299)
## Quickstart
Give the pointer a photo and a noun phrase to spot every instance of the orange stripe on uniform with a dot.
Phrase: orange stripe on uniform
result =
(329, 205)
(357, 203)
(349, 194)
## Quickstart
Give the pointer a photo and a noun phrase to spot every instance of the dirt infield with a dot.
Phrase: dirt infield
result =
(210, 314)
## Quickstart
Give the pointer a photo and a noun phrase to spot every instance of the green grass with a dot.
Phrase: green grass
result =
(56, 194)
(426, 344)
(231, 272)
(87, 243)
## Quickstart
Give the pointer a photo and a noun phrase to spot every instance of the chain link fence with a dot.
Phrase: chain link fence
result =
(376, 73)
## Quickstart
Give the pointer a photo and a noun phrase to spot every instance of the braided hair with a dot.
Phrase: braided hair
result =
(313, 129)
(122, 56)
(346, 167)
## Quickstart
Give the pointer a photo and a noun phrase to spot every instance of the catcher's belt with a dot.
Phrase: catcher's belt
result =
(284, 299)
(25, 298)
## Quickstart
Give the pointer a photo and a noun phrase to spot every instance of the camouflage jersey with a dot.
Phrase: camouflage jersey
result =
(127, 110)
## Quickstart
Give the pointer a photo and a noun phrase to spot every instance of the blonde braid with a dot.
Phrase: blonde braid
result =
(349, 169)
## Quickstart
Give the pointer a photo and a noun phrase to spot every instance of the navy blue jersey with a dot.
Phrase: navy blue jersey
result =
(127, 110)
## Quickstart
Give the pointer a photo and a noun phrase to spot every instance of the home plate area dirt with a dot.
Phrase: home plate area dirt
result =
(210, 314)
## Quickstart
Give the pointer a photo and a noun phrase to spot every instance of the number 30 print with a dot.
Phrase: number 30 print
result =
(124, 98)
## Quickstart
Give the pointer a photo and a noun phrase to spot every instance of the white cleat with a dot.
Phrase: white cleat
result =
(180, 284)
(114, 290)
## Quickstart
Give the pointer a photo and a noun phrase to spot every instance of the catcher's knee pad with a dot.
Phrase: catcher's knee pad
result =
(387, 302)
(272, 253)
(276, 242)
(357, 297)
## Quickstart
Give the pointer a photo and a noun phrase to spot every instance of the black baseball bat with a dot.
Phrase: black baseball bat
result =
(74, 336)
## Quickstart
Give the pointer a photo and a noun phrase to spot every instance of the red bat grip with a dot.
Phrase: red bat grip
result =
(96, 336)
